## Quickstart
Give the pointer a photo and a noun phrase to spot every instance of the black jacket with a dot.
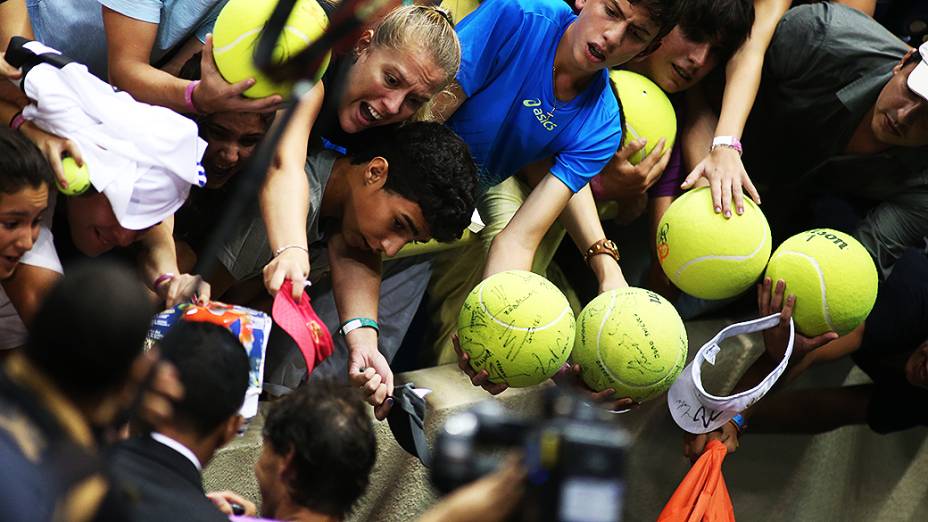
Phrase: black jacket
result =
(160, 484)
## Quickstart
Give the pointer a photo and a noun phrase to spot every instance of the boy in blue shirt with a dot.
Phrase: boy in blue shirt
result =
(533, 85)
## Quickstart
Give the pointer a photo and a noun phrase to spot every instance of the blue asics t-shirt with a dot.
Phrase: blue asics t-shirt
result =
(511, 117)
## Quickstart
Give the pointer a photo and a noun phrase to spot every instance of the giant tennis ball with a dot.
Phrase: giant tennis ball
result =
(631, 340)
(647, 110)
(78, 177)
(238, 29)
(460, 8)
(518, 326)
(832, 276)
(708, 256)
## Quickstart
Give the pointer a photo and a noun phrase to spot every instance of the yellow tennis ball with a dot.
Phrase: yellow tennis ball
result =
(78, 177)
(518, 326)
(238, 28)
(832, 276)
(631, 340)
(708, 256)
(459, 8)
(647, 110)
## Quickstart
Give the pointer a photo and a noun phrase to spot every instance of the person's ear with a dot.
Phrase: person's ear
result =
(285, 466)
(376, 173)
(231, 429)
(364, 42)
(898, 67)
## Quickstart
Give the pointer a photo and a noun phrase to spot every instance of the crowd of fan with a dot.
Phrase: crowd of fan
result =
(821, 108)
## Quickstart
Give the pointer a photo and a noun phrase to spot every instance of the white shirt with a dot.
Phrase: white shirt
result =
(178, 447)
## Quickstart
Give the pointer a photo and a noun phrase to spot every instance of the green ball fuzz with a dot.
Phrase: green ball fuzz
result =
(708, 256)
(631, 340)
(832, 276)
(78, 177)
(517, 326)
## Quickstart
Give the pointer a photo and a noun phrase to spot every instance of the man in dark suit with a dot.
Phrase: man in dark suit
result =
(160, 472)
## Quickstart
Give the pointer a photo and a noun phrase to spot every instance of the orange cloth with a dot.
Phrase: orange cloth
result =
(702, 495)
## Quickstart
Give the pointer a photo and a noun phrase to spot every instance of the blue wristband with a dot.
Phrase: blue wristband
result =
(739, 422)
(358, 322)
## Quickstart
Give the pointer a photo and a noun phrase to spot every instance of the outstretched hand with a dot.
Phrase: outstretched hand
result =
(481, 378)
(569, 375)
(291, 264)
(621, 180)
(776, 339)
(369, 370)
(694, 445)
(728, 180)
(215, 94)
(54, 148)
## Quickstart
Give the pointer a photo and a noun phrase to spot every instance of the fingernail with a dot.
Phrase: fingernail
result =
(718, 209)
(740, 210)
(728, 213)
(389, 401)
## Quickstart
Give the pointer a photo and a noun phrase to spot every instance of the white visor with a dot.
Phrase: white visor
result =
(918, 78)
(698, 411)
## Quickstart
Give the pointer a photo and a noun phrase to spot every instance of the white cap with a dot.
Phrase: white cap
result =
(918, 78)
(155, 194)
(696, 410)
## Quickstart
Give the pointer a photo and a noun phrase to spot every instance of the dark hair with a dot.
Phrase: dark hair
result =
(191, 71)
(21, 164)
(428, 165)
(665, 13)
(90, 329)
(191, 68)
(725, 24)
(213, 368)
(329, 431)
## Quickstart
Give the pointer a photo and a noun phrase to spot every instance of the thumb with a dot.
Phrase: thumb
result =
(206, 56)
(355, 363)
(693, 176)
(630, 148)
(819, 340)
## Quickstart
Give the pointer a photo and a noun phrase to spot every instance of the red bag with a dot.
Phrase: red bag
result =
(702, 495)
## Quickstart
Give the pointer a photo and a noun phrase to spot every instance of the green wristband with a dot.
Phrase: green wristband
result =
(358, 322)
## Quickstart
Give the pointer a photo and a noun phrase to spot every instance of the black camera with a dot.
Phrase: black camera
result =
(574, 456)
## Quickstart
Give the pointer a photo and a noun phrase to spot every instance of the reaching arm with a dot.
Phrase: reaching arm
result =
(158, 257)
(14, 21)
(284, 199)
(514, 247)
(723, 167)
(129, 43)
(581, 220)
(356, 285)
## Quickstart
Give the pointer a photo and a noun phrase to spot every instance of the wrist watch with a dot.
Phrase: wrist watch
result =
(603, 246)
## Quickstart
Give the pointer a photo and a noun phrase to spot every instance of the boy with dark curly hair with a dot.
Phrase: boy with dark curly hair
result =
(411, 182)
